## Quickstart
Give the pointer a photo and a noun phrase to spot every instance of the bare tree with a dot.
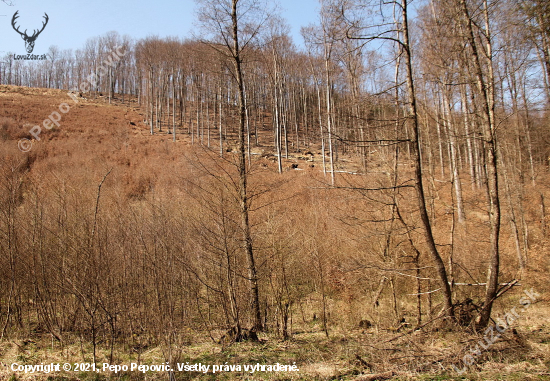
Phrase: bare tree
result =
(234, 26)
(383, 30)
(486, 90)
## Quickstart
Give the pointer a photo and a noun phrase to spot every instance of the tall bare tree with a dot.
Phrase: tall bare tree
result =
(484, 76)
(234, 26)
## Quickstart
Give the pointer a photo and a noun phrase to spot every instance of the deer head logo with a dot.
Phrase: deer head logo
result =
(29, 40)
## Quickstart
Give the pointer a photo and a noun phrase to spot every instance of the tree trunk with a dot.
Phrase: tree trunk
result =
(416, 149)
(486, 91)
(243, 173)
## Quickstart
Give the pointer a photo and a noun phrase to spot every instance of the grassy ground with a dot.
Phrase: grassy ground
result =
(523, 353)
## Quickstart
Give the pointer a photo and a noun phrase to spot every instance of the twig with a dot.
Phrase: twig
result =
(97, 206)
(363, 362)
(377, 376)
(506, 288)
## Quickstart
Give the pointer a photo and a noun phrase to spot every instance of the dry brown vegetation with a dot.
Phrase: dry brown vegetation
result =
(150, 268)
(365, 210)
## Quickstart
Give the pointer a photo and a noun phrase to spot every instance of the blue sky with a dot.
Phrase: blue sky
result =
(72, 22)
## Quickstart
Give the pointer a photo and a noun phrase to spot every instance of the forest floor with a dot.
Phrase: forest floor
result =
(115, 135)
(523, 353)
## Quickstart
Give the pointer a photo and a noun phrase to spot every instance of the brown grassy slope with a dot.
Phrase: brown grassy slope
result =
(340, 226)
